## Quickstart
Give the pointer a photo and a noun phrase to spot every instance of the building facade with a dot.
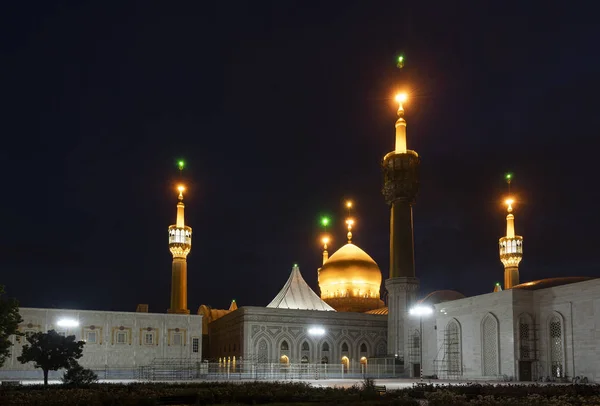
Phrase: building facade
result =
(543, 330)
(113, 340)
(297, 327)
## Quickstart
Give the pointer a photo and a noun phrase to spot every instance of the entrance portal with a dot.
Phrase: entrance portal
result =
(525, 371)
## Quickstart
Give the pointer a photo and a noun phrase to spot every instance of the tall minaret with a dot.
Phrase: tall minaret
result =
(180, 244)
(401, 184)
(325, 241)
(511, 249)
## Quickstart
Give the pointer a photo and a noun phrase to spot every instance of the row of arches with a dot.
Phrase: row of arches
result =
(284, 346)
(307, 351)
(526, 337)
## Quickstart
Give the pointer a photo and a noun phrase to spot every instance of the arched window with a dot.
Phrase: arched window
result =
(556, 347)
(284, 346)
(453, 348)
(363, 348)
(305, 346)
(344, 347)
(325, 347)
(263, 351)
(489, 334)
(526, 339)
(381, 348)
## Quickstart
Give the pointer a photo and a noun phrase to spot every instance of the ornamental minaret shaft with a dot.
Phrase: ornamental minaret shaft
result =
(511, 250)
(401, 185)
(180, 244)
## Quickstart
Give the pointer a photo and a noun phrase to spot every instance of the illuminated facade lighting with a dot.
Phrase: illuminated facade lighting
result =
(67, 323)
(316, 331)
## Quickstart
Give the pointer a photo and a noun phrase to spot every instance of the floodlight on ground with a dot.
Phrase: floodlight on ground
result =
(67, 323)
(421, 310)
(316, 331)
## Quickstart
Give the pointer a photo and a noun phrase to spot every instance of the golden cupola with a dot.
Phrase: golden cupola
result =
(350, 280)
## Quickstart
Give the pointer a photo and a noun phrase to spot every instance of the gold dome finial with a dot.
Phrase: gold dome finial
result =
(181, 189)
(349, 223)
(349, 220)
(401, 124)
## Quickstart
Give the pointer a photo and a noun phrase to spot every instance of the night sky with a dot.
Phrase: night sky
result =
(283, 110)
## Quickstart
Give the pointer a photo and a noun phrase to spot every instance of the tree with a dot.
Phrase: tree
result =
(50, 351)
(9, 323)
(79, 376)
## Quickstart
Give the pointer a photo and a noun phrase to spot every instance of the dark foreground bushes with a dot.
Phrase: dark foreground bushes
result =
(213, 393)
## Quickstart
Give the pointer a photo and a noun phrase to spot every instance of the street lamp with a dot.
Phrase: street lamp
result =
(421, 311)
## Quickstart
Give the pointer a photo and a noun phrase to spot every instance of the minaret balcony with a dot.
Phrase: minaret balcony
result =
(511, 250)
(180, 235)
(511, 245)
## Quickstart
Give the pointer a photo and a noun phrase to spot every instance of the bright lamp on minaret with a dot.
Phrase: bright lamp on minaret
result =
(401, 97)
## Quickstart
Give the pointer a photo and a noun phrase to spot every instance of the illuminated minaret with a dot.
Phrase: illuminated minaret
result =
(325, 241)
(180, 244)
(511, 249)
(401, 184)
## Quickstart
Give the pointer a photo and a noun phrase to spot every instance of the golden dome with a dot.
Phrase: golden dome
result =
(350, 273)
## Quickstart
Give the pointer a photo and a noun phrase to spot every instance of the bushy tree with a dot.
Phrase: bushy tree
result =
(50, 351)
(77, 375)
(9, 323)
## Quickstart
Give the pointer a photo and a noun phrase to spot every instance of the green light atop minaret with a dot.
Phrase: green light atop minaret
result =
(400, 62)
(325, 221)
(181, 164)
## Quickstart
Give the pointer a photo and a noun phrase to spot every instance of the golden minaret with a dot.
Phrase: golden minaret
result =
(511, 249)
(325, 241)
(180, 244)
(400, 189)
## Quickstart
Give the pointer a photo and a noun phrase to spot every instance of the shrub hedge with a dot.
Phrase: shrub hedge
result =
(219, 393)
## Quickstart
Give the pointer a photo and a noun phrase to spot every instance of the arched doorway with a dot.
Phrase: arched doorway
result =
(345, 363)
(363, 365)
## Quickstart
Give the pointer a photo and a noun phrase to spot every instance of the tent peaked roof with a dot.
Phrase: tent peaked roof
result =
(296, 294)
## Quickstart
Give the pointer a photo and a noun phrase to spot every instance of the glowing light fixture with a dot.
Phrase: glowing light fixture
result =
(420, 310)
(67, 323)
(324, 221)
(325, 240)
(401, 97)
(400, 62)
(181, 164)
(181, 188)
(316, 331)
(349, 204)
(509, 202)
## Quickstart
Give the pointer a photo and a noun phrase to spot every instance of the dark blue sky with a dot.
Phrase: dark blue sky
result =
(282, 110)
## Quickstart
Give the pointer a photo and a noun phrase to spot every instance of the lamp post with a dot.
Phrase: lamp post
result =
(421, 311)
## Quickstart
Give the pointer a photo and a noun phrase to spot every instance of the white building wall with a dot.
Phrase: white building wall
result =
(470, 313)
(249, 325)
(172, 336)
(578, 305)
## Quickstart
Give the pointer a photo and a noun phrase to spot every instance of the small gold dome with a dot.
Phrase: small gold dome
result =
(350, 273)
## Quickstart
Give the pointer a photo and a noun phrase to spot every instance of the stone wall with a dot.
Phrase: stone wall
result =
(116, 339)
(252, 327)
